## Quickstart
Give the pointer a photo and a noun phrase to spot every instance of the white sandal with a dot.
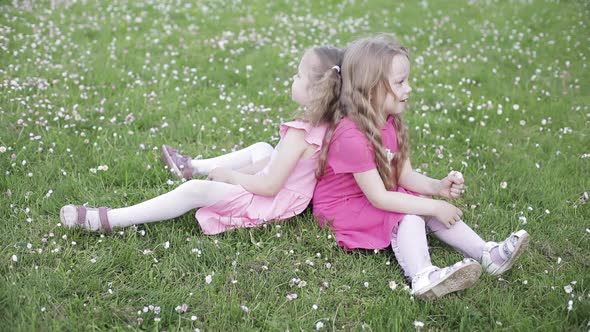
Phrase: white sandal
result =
(459, 276)
(509, 251)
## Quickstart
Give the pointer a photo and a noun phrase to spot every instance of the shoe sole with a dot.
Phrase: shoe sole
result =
(61, 216)
(521, 245)
(462, 278)
(168, 161)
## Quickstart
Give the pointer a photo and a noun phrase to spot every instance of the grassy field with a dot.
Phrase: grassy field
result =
(501, 93)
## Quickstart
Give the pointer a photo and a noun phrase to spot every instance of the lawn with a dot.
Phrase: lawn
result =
(90, 90)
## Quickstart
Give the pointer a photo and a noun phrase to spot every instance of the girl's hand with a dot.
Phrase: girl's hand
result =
(452, 186)
(447, 213)
(222, 174)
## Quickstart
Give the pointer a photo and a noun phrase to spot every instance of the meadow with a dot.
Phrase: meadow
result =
(90, 90)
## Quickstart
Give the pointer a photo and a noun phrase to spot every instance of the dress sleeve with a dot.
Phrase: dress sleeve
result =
(351, 152)
(313, 135)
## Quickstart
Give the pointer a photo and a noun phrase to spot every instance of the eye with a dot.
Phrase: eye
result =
(400, 82)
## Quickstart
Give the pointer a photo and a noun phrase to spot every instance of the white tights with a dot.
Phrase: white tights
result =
(188, 196)
(411, 248)
(233, 160)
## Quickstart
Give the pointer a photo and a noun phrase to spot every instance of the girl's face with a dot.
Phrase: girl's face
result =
(396, 99)
(301, 81)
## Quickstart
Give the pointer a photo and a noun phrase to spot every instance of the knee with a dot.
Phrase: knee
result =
(263, 148)
(414, 220)
(192, 187)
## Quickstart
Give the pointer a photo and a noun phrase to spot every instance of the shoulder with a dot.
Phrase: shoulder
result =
(305, 131)
(298, 124)
(346, 124)
(348, 129)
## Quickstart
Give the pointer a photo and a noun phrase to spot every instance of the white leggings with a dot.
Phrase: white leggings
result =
(234, 160)
(191, 194)
(411, 248)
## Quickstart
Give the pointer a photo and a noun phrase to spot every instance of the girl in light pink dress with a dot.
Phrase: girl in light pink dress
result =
(370, 196)
(278, 189)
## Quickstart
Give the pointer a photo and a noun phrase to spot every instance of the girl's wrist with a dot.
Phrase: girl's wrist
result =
(434, 207)
(436, 187)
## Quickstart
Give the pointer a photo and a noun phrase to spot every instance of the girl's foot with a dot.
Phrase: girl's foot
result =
(434, 282)
(178, 164)
(498, 258)
(89, 218)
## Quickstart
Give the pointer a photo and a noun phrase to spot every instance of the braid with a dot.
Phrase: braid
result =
(403, 148)
(367, 120)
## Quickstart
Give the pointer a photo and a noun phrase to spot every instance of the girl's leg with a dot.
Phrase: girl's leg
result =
(428, 281)
(233, 160)
(189, 195)
(410, 246)
(461, 237)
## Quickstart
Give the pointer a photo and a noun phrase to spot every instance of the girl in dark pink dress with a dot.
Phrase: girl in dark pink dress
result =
(370, 196)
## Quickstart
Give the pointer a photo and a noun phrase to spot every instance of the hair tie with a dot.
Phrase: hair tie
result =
(337, 68)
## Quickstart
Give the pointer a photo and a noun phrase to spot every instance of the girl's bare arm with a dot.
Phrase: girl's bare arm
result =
(292, 147)
(255, 167)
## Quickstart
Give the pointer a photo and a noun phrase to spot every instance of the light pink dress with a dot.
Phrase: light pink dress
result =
(242, 208)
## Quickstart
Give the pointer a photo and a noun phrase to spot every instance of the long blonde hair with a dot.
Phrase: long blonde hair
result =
(366, 67)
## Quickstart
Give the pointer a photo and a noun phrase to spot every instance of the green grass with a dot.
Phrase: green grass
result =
(71, 73)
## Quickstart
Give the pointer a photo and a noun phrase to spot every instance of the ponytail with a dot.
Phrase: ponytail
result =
(324, 108)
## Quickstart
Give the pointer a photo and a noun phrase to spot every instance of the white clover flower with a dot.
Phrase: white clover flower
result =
(208, 279)
(392, 285)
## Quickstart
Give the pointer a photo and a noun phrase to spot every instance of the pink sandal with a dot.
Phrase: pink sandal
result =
(105, 226)
(178, 164)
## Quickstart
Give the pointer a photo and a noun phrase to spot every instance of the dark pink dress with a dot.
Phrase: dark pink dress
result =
(340, 202)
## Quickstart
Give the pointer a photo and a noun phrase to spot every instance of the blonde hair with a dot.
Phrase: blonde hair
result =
(366, 67)
(326, 83)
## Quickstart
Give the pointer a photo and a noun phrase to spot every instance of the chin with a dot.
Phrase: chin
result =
(400, 109)
(397, 111)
